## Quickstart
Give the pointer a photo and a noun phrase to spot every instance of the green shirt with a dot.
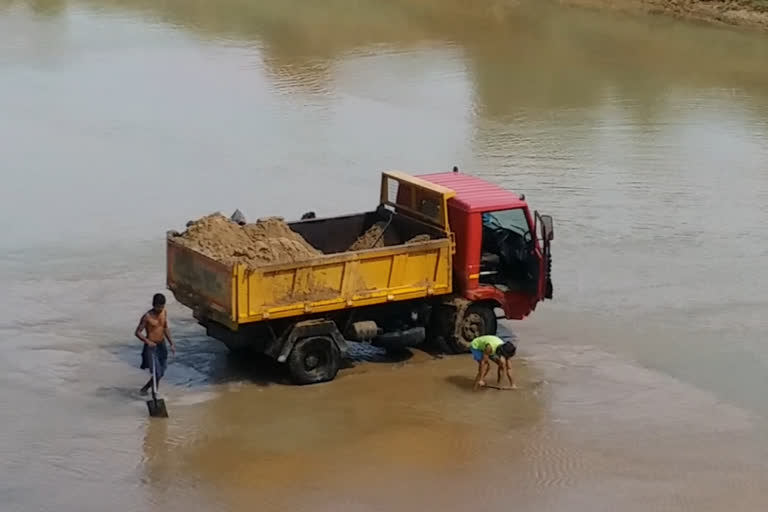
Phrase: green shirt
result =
(481, 342)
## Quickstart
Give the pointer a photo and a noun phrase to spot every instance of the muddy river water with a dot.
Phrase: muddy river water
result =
(642, 384)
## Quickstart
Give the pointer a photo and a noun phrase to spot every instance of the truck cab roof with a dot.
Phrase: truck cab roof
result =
(474, 194)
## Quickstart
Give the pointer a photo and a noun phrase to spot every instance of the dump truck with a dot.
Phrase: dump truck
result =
(453, 250)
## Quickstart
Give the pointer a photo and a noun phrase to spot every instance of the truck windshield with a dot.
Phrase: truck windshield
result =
(513, 220)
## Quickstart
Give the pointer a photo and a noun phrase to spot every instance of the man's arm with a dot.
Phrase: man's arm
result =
(482, 370)
(167, 332)
(487, 364)
(507, 366)
(140, 329)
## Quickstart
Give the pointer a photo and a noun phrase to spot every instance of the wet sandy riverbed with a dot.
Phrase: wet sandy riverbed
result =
(586, 430)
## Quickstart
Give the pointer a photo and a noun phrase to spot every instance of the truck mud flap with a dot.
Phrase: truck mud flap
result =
(303, 330)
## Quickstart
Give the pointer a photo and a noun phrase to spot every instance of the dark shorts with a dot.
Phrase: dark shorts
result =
(160, 353)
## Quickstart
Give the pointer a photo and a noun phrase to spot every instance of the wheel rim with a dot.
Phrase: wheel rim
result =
(316, 359)
(311, 362)
(472, 326)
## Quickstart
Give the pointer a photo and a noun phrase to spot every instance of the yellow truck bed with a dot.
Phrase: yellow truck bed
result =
(234, 295)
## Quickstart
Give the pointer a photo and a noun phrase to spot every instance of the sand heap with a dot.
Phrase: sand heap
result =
(372, 238)
(267, 241)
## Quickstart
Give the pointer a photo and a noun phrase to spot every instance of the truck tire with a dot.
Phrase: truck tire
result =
(476, 320)
(314, 359)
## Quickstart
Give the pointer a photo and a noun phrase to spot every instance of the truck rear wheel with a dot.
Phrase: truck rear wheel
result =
(477, 320)
(314, 359)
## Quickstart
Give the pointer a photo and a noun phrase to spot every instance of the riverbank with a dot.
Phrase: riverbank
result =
(743, 13)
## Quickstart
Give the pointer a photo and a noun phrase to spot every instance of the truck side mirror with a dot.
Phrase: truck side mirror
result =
(549, 230)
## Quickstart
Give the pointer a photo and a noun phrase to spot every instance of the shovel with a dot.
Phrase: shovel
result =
(156, 406)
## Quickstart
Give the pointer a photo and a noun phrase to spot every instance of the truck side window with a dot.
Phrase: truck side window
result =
(505, 254)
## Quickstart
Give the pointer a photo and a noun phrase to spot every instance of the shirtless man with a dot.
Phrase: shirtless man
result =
(153, 331)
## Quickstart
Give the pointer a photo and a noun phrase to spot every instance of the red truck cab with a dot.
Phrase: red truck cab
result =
(503, 254)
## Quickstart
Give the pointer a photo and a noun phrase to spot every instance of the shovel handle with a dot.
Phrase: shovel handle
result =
(153, 357)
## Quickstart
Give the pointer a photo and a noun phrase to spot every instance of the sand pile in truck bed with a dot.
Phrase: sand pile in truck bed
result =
(372, 238)
(267, 241)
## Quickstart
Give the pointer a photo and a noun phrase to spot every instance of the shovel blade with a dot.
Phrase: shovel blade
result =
(157, 408)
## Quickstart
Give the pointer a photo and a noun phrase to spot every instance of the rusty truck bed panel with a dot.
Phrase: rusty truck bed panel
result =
(237, 295)
(200, 282)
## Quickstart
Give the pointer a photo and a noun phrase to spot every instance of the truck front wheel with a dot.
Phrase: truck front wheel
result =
(314, 359)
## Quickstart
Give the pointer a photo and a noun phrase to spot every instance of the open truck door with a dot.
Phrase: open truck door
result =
(546, 233)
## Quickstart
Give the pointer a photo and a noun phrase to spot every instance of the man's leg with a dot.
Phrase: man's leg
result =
(159, 363)
(486, 366)
(148, 385)
(500, 364)
(161, 358)
(508, 370)
(479, 376)
(482, 369)
(146, 362)
(145, 388)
